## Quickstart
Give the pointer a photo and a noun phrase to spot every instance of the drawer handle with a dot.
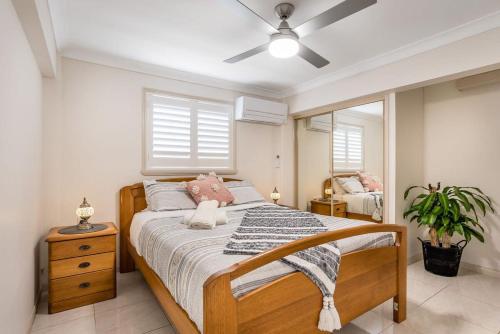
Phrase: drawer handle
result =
(84, 264)
(84, 285)
(84, 247)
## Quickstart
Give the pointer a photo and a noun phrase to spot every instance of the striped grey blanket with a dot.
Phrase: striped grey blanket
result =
(267, 227)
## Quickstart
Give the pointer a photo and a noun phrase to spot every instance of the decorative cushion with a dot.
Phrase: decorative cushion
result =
(369, 182)
(209, 188)
(244, 192)
(351, 184)
(165, 196)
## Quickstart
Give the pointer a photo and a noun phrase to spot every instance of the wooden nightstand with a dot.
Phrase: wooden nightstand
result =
(82, 268)
(324, 208)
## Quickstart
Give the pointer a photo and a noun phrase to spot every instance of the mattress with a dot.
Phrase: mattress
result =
(184, 258)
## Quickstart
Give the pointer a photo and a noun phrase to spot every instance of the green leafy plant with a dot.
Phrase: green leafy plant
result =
(452, 210)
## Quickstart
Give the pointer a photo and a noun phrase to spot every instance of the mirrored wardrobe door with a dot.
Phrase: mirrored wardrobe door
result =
(358, 162)
(314, 163)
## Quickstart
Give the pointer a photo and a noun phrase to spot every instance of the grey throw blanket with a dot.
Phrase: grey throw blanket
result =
(268, 227)
(378, 213)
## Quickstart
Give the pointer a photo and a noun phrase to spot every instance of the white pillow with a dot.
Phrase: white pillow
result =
(351, 184)
(165, 196)
(337, 188)
(244, 192)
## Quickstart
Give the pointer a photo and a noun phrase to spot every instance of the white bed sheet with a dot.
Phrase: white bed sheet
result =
(361, 203)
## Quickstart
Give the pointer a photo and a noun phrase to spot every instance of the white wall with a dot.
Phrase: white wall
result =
(461, 147)
(20, 174)
(409, 157)
(94, 138)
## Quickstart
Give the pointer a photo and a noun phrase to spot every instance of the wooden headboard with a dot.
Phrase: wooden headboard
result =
(132, 200)
(328, 182)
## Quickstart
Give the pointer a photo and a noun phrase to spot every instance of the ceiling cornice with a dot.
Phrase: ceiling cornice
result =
(166, 72)
(485, 23)
(477, 26)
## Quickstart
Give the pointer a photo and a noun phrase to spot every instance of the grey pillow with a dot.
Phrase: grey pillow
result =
(244, 192)
(351, 184)
(165, 196)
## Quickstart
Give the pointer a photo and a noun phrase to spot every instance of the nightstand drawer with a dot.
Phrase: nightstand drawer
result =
(340, 208)
(81, 285)
(322, 208)
(81, 247)
(81, 265)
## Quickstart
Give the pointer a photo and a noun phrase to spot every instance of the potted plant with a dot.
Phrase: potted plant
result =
(452, 210)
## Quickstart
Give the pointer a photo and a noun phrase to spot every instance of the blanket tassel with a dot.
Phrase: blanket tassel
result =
(329, 319)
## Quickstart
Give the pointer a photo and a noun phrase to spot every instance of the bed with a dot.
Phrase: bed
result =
(367, 277)
(359, 206)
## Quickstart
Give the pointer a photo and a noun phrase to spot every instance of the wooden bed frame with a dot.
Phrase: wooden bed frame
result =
(290, 304)
(351, 215)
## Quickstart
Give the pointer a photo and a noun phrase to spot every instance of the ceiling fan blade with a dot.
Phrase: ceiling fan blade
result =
(334, 14)
(247, 54)
(312, 57)
(248, 14)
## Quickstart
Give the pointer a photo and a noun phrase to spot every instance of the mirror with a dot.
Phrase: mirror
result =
(340, 162)
(314, 154)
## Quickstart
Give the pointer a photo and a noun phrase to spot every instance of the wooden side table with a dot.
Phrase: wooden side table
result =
(325, 208)
(82, 268)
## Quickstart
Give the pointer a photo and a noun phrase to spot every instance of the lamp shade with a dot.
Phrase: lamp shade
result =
(85, 211)
(275, 195)
(284, 47)
(328, 191)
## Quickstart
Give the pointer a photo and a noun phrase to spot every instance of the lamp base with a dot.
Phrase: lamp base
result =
(76, 230)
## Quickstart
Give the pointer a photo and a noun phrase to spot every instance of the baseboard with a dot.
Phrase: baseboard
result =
(33, 312)
(480, 269)
(415, 258)
(463, 265)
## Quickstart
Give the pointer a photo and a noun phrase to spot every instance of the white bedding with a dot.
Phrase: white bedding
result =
(184, 258)
(361, 203)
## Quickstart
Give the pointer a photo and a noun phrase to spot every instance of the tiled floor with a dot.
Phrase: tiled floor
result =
(469, 303)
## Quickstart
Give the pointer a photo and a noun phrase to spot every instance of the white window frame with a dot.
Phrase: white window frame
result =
(348, 168)
(166, 166)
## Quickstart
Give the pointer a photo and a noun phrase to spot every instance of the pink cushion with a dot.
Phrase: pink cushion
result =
(369, 182)
(209, 188)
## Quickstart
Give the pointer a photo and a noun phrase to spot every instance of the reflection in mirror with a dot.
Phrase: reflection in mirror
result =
(340, 163)
(358, 160)
(314, 156)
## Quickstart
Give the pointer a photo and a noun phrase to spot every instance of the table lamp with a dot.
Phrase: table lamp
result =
(83, 212)
(275, 195)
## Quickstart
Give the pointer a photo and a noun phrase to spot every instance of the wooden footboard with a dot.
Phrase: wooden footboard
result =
(292, 303)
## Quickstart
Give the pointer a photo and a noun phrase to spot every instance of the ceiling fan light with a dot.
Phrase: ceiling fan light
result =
(283, 47)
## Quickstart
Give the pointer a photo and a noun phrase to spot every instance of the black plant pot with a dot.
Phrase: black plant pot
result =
(442, 261)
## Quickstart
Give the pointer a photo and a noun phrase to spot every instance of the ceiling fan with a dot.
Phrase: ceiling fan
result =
(284, 41)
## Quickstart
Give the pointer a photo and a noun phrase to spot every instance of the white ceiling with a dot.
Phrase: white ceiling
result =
(197, 35)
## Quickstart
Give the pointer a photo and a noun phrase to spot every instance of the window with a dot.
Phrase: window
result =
(187, 135)
(348, 147)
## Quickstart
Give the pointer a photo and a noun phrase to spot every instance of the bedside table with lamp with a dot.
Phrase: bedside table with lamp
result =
(82, 261)
(325, 206)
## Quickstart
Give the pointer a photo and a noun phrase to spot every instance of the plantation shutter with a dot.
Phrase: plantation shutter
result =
(183, 134)
(348, 147)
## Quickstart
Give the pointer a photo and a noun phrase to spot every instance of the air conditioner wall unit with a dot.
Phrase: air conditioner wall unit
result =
(251, 109)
